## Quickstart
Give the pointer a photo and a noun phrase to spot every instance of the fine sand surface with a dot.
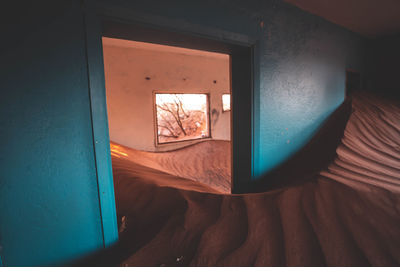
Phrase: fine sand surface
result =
(348, 215)
(370, 149)
(207, 162)
(322, 223)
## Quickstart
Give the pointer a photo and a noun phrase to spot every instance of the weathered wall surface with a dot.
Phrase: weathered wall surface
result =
(49, 206)
(134, 73)
(383, 71)
(303, 66)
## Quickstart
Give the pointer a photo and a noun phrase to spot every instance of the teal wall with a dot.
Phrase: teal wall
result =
(303, 65)
(49, 204)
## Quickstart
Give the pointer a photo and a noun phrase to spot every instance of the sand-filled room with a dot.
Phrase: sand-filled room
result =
(170, 108)
(200, 133)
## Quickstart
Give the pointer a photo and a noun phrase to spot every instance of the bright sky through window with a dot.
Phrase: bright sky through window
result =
(181, 117)
(226, 102)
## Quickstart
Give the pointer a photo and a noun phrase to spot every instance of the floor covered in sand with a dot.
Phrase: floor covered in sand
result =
(347, 215)
(208, 163)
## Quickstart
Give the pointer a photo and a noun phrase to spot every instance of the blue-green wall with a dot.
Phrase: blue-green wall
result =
(303, 65)
(49, 205)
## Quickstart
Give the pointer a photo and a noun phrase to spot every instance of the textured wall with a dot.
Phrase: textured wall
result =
(130, 95)
(49, 206)
(303, 66)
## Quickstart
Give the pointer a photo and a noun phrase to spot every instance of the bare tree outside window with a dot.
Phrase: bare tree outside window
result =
(181, 117)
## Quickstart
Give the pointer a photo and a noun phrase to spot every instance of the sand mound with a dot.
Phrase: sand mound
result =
(124, 167)
(353, 220)
(370, 149)
(207, 162)
(315, 224)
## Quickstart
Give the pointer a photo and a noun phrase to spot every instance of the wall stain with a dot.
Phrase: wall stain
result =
(214, 116)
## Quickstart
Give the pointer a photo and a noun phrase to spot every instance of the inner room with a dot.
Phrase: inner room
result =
(169, 112)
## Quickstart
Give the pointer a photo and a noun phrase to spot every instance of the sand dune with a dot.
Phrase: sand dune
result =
(347, 215)
(370, 149)
(324, 223)
(152, 176)
(207, 162)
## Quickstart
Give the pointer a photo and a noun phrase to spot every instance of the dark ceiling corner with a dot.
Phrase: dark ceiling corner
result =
(370, 18)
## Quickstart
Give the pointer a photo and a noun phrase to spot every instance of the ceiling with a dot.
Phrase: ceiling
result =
(371, 18)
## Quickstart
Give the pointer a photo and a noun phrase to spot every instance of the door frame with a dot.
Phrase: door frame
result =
(105, 20)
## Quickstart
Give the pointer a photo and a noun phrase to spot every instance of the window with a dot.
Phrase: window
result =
(226, 102)
(181, 117)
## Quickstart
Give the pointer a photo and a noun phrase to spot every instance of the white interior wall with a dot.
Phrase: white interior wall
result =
(134, 70)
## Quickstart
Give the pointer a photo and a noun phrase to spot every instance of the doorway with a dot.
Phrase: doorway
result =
(242, 67)
(169, 112)
(241, 71)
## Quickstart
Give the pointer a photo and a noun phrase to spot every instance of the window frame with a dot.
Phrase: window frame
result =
(155, 120)
(222, 101)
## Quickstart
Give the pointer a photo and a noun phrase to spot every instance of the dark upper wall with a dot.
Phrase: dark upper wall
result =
(49, 207)
(383, 71)
(370, 18)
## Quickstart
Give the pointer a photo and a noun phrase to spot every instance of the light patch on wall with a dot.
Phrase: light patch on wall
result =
(181, 117)
(226, 102)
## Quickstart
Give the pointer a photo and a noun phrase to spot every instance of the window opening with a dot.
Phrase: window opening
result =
(181, 117)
